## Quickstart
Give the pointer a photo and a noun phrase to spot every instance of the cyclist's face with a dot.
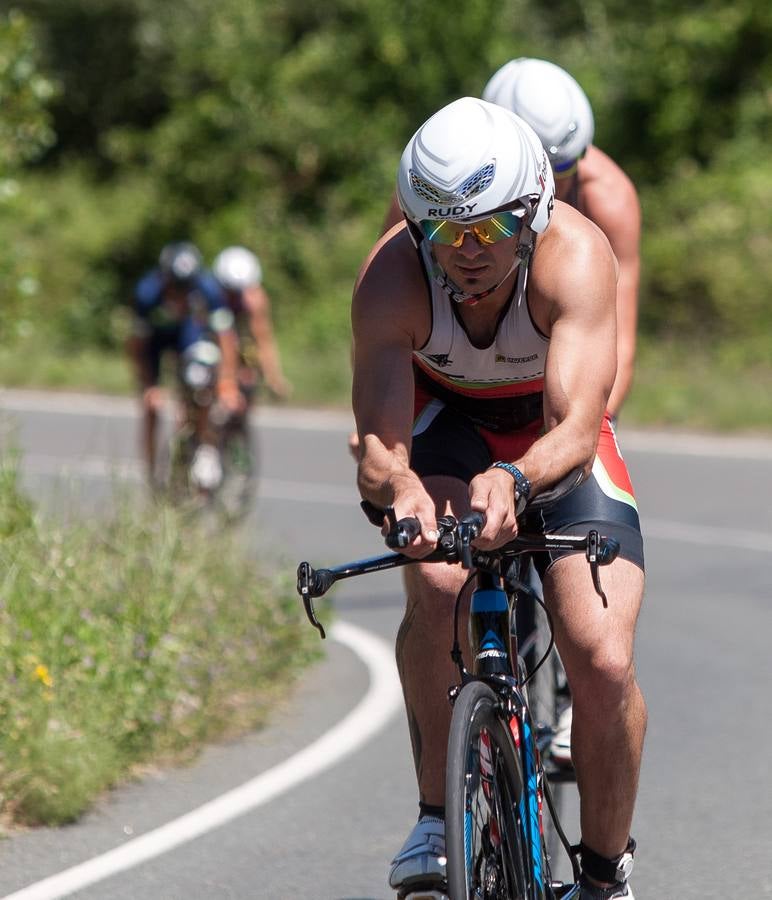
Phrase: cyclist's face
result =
(476, 267)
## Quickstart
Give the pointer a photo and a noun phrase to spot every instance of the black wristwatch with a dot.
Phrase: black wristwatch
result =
(522, 484)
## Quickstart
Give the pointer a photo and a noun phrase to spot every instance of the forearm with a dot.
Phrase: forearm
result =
(382, 470)
(627, 327)
(268, 359)
(624, 379)
(571, 444)
(229, 348)
(136, 349)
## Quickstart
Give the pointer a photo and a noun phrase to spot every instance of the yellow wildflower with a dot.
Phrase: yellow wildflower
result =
(42, 674)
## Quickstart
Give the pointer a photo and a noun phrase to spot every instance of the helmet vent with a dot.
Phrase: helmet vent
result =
(572, 129)
(475, 184)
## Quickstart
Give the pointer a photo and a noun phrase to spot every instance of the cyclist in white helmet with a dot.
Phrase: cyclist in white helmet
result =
(558, 110)
(484, 354)
(240, 275)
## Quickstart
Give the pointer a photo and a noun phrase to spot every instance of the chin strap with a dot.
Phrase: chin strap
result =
(523, 253)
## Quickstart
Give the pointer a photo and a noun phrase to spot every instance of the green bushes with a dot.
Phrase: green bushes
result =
(125, 641)
(279, 125)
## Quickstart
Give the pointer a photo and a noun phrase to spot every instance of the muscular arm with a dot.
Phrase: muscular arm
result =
(258, 308)
(612, 203)
(229, 348)
(137, 349)
(581, 361)
(387, 312)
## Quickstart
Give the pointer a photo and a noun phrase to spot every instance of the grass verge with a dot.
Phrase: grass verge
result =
(126, 641)
(684, 387)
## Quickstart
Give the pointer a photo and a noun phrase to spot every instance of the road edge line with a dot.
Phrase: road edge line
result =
(382, 701)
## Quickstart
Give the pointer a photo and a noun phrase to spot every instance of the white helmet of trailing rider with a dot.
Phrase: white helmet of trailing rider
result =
(237, 268)
(552, 103)
(470, 160)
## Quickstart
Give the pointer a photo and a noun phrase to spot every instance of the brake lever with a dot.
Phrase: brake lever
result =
(464, 545)
(595, 558)
(306, 584)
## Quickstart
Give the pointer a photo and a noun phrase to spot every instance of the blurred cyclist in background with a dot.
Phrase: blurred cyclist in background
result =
(240, 275)
(176, 305)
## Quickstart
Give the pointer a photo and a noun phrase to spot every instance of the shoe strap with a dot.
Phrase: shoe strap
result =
(601, 868)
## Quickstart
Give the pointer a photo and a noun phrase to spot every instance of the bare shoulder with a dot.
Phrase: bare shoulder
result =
(609, 196)
(573, 265)
(391, 294)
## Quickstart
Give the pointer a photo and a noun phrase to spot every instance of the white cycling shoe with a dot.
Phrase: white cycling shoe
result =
(560, 745)
(206, 467)
(620, 891)
(421, 861)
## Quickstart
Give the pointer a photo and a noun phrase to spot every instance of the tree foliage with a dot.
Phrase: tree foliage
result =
(24, 124)
(279, 124)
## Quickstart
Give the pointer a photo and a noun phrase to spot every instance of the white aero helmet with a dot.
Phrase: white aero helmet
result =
(468, 161)
(552, 103)
(237, 268)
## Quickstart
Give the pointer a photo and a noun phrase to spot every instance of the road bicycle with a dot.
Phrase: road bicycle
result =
(496, 789)
(216, 474)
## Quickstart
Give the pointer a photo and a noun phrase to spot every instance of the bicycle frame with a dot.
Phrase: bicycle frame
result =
(493, 646)
(495, 659)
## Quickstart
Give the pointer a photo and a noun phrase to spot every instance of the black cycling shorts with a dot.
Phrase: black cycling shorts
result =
(446, 442)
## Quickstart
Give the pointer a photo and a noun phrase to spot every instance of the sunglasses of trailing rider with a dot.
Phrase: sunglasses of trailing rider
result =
(498, 227)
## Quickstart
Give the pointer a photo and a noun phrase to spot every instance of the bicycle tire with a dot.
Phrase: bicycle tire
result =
(239, 486)
(486, 839)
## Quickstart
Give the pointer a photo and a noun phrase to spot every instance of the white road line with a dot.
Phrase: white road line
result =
(382, 700)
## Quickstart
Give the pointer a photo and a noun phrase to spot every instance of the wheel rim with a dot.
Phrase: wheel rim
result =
(495, 869)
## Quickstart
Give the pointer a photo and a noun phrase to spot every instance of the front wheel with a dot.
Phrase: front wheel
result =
(486, 837)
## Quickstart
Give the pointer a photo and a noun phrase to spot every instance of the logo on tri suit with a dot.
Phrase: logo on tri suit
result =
(515, 360)
(441, 360)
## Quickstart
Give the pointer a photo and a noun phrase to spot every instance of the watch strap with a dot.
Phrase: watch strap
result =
(522, 484)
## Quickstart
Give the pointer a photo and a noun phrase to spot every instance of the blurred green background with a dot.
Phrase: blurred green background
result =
(279, 123)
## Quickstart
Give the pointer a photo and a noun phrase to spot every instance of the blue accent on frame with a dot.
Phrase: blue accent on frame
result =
(489, 601)
(491, 641)
(531, 797)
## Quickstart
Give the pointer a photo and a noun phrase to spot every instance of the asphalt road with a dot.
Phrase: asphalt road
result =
(704, 815)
